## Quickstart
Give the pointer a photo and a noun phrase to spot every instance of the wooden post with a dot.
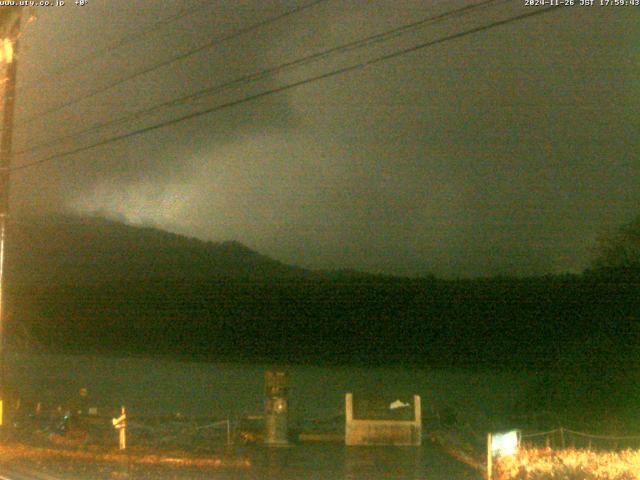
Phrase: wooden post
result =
(122, 439)
(348, 417)
(489, 458)
(120, 424)
(9, 32)
(228, 432)
(417, 436)
(562, 438)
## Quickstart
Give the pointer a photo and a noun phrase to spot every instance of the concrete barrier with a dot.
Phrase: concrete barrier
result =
(378, 426)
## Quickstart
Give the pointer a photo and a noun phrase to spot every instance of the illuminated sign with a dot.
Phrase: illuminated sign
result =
(506, 443)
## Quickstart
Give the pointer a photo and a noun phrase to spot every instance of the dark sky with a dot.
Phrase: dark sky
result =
(503, 152)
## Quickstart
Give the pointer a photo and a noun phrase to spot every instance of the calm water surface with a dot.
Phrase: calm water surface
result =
(149, 386)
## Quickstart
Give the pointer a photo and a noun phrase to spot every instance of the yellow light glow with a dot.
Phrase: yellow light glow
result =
(6, 51)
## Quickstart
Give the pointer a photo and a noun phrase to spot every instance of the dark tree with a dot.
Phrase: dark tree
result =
(620, 250)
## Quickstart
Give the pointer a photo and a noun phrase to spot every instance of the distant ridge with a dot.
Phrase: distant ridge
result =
(94, 285)
(94, 250)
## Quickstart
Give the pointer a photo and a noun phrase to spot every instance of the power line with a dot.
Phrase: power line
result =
(363, 42)
(283, 88)
(125, 40)
(177, 58)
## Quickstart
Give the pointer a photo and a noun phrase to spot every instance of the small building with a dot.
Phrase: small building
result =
(383, 421)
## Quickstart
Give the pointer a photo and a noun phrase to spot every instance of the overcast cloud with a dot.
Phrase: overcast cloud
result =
(503, 152)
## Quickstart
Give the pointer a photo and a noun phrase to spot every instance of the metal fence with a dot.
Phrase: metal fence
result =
(567, 438)
(166, 432)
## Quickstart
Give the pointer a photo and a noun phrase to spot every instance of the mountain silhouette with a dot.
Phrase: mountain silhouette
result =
(67, 250)
(93, 285)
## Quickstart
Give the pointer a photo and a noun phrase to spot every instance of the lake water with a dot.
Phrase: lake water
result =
(156, 386)
(159, 386)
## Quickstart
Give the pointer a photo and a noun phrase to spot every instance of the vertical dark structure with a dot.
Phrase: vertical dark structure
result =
(10, 18)
(276, 430)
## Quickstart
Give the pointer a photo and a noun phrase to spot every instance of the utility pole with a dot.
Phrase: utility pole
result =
(10, 18)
